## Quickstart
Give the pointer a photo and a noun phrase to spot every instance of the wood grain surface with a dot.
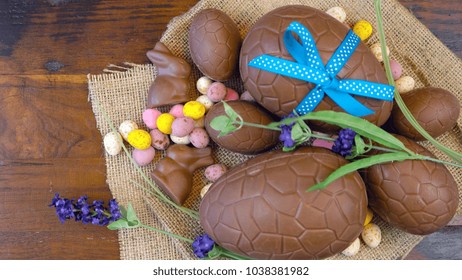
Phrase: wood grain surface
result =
(48, 137)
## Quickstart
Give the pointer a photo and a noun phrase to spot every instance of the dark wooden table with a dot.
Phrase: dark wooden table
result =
(48, 137)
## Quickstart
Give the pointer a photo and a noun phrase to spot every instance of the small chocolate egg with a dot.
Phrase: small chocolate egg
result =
(112, 143)
(180, 140)
(177, 111)
(353, 249)
(139, 139)
(199, 138)
(363, 29)
(396, 69)
(159, 140)
(372, 235)
(405, 84)
(203, 84)
(338, 13)
(126, 127)
(215, 171)
(416, 196)
(377, 51)
(205, 100)
(231, 94)
(216, 92)
(246, 140)
(435, 109)
(150, 117)
(214, 41)
(182, 126)
(144, 157)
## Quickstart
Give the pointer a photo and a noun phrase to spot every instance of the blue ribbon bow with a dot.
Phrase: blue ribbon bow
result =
(309, 67)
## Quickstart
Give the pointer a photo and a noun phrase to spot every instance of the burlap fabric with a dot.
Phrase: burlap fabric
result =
(122, 94)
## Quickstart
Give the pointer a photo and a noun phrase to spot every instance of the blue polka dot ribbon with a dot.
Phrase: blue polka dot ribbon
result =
(310, 68)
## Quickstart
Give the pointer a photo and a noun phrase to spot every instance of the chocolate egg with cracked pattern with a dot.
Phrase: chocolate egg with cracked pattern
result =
(280, 94)
(214, 42)
(435, 109)
(261, 208)
(417, 196)
(246, 140)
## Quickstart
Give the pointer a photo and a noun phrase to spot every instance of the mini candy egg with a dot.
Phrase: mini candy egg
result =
(126, 127)
(194, 110)
(216, 91)
(200, 122)
(231, 94)
(215, 171)
(369, 216)
(396, 69)
(205, 100)
(150, 117)
(159, 140)
(371, 235)
(377, 51)
(353, 249)
(205, 189)
(182, 126)
(180, 140)
(144, 157)
(112, 143)
(203, 84)
(199, 138)
(177, 111)
(164, 123)
(322, 143)
(338, 13)
(405, 84)
(363, 29)
(246, 96)
(139, 139)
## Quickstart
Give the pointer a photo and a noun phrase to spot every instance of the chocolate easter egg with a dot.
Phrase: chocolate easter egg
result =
(417, 196)
(261, 208)
(435, 109)
(280, 94)
(214, 42)
(246, 140)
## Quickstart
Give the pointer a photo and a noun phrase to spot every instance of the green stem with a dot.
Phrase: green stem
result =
(399, 101)
(167, 233)
(233, 256)
(442, 161)
(258, 125)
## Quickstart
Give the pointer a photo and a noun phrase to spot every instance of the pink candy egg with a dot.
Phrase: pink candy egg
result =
(177, 111)
(247, 97)
(216, 92)
(323, 143)
(199, 138)
(215, 171)
(159, 140)
(144, 157)
(396, 69)
(150, 117)
(182, 126)
(231, 94)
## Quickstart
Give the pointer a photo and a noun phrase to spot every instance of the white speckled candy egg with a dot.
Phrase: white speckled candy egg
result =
(215, 171)
(182, 126)
(205, 100)
(180, 140)
(205, 189)
(159, 140)
(126, 127)
(377, 51)
(371, 235)
(199, 138)
(150, 117)
(216, 91)
(203, 84)
(112, 143)
(144, 157)
(353, 249)
(405, 84)
(337, 13)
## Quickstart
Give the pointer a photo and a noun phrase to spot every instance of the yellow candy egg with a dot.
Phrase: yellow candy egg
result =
(139, 139)
(363, 29)
(369, 216)
(193, 109)
(164, 123)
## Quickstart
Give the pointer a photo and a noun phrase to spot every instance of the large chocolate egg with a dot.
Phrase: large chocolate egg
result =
(246, 140)
(214, 42)
(280, 94)
(417, 196)
(261, 208)
(436, 110)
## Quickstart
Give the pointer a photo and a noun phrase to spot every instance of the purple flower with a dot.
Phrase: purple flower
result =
(202, 245)
(64, 208)
(344, 142)
(114, 209)
(286, 132)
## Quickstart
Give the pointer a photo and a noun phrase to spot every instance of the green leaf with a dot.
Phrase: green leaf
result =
(119, 224)
(219, 123)
(360, 146)
(131, 214)
(123, 211)
(363, 163)
(360, 126)
(233, 115)
(297, 132)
